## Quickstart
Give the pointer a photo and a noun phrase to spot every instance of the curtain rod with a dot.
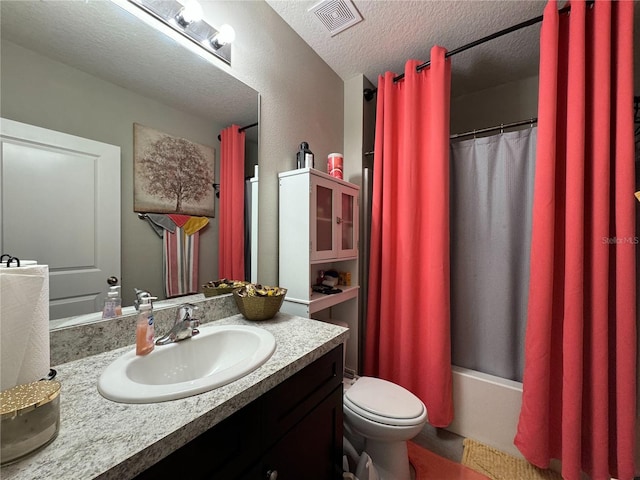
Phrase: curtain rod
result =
(248, 126)
(368, 92)
(531, 121)
(242, 129)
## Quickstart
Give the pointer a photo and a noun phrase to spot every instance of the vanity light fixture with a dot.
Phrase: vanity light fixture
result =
(225, 36)
(191, 12)
(185, 18)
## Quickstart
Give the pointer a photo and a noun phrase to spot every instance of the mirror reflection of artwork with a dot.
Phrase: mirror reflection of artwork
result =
(172, 174)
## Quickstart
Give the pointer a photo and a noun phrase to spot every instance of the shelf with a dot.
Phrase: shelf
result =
(321, 301)
(333, 260)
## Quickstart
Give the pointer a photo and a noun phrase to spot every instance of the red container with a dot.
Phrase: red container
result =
(334, 164)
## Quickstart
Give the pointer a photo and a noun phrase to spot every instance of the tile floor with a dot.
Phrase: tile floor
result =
(440, 441)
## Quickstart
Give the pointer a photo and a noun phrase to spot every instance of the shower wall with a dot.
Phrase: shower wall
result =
(509, 102)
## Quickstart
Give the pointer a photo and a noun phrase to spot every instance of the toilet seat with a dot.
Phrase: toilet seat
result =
(384, 402)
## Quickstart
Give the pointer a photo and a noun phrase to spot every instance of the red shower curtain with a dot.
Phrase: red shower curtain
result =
(579, 394)
(231, 222)
(408, 330)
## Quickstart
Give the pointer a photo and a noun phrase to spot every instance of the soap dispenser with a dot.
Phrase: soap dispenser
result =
(145, 329)
(113, 303)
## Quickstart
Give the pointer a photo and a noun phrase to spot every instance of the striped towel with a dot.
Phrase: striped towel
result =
(180, 252)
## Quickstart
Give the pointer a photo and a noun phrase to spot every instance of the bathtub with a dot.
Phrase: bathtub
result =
(486, 408)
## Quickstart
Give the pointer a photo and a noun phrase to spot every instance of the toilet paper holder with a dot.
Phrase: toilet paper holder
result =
(10, 259)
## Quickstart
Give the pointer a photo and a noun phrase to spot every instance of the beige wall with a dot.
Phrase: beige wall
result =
(49, 94)
(301, 100)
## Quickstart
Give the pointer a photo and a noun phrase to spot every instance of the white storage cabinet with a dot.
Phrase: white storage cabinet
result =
(318, 231)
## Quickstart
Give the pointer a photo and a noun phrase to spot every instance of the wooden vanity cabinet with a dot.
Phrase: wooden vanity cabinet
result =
(292, 432)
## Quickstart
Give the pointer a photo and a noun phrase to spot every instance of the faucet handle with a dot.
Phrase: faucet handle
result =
(140, 295)
(186, 319)
(185, 312)
(184, 326)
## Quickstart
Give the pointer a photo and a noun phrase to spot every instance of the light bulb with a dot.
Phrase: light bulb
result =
(191, 12)
(225, 35)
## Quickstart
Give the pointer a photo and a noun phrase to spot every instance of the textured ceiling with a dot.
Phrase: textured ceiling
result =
(395, 30)
(102, 39)
(96, 37)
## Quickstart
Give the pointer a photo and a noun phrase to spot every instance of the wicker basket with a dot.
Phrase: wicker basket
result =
(258, 308)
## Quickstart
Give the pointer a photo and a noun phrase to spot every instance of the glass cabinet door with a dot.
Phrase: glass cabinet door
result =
(348, 246)
(334, 228)
(323, 244)
(346, 222)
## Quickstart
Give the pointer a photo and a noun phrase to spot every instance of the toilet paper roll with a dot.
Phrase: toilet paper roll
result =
(24, 325)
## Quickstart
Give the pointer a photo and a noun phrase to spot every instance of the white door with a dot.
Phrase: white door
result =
(61, 206)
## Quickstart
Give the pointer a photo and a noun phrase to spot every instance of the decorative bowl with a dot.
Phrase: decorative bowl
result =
(258, 302)
(220, 287)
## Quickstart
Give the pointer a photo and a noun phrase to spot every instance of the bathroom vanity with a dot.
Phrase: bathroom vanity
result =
(283, 419)
(293, 431)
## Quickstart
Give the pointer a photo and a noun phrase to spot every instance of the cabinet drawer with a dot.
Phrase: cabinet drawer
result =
(286, 404)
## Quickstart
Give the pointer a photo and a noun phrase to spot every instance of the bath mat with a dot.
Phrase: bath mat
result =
(429, 466)
(498, 465)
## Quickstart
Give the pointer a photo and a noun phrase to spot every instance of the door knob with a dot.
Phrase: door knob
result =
(272, 475)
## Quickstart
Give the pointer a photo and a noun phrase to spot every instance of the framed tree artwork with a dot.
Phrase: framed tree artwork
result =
(172, 174)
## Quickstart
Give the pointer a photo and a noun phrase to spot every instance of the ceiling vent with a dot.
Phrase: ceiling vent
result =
(336, 15)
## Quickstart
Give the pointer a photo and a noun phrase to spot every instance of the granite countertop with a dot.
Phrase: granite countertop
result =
(102, 439)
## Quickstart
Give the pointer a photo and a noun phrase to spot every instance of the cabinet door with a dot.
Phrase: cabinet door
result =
(312, 450)
(348, 223)
(324, 214)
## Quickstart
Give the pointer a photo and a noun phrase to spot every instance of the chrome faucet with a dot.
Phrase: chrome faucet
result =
(140, 294)
(185, 326)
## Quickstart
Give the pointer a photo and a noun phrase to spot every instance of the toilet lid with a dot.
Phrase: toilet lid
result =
(380, 398)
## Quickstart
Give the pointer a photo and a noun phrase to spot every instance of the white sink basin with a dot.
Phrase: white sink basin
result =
(215, 357)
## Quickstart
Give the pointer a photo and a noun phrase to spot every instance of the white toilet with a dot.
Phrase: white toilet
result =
(386, 415)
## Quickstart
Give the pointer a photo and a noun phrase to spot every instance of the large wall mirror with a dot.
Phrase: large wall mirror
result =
(91, 69)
